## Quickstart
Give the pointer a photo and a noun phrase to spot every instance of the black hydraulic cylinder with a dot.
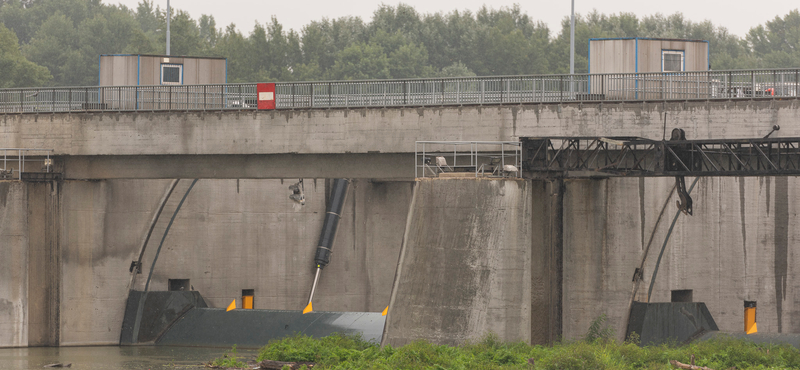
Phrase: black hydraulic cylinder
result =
(334, 212)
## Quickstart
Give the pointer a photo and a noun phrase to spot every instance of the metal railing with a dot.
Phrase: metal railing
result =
(15, 161)
(541, 89)
(706, 85)
(128, 98)
(468, 158)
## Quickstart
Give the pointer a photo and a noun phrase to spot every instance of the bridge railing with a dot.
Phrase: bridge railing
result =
(468, 158)
(17, 162)
(128, 98)
(733, 84)
(541, 88)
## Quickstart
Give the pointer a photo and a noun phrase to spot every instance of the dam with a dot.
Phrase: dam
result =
(532, 259)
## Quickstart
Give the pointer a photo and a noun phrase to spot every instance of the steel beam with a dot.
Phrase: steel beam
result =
(630, 156)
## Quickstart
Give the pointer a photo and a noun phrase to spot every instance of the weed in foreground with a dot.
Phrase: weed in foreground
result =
(229, 360)
(598, 352)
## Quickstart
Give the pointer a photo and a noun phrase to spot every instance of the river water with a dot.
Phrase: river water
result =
(114, 357)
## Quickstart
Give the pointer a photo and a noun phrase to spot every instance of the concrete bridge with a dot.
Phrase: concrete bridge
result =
(537, 260)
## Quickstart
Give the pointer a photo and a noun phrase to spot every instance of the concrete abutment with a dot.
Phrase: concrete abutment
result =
(527, 260)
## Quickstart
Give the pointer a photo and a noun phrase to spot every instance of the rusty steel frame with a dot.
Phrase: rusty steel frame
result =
(630, 156)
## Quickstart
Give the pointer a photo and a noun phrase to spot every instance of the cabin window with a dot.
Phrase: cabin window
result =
(171, 74)
(672, 60)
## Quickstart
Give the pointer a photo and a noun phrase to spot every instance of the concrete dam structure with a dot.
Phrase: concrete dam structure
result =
(454, 259)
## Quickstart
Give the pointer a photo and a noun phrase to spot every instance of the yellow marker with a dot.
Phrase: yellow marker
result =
(308, 309)
(385, 311)
(231, 306)
(750, 326)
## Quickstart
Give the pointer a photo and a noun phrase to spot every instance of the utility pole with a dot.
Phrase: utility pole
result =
(572, 52)
(168, 17)
(571, 39)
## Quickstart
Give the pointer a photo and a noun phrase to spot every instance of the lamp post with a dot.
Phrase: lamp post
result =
(572, 39)
(168, 17)
(571, 48)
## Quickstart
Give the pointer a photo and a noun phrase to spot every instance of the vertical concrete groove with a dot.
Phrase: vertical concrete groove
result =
(44, 264)
(641, 209)
(666, 240)
(166, 232)
(557, 257)
(153, 222)
(639, 278)
(54, 226)
(742, 218)
(781, 255)
(398, 271)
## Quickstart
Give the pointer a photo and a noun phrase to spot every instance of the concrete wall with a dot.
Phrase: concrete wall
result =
(13, 265)
(71, 246)
(520, 273)
(337, 131)
(738, 246)
(465, 268)
(232, 235)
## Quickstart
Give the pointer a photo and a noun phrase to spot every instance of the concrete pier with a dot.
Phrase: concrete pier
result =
(465, 266)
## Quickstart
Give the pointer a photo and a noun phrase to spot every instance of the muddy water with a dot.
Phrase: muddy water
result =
(112, 357)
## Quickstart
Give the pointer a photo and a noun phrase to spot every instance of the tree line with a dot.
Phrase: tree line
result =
(57, 42)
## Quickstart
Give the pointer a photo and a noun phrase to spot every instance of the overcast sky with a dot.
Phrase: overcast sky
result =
(737, 16)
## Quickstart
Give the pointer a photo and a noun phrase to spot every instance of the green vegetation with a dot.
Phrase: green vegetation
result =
(229, 361)
(346, 352)
(58, 42)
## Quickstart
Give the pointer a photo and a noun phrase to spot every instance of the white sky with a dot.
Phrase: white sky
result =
(737, 16)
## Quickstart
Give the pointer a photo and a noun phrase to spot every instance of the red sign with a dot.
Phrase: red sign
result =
(266, 95)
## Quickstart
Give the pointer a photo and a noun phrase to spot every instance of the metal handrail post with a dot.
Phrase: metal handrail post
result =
(502, 157)
(416, 159)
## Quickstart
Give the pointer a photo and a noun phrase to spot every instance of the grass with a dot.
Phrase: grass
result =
(593, 352)
(229, 360)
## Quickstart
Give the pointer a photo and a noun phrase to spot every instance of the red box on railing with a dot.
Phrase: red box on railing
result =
(266, 95)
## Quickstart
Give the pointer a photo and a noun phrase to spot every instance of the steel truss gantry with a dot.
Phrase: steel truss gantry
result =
(630, 156)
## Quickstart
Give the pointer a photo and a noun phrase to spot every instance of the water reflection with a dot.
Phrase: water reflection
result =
(113, 357)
